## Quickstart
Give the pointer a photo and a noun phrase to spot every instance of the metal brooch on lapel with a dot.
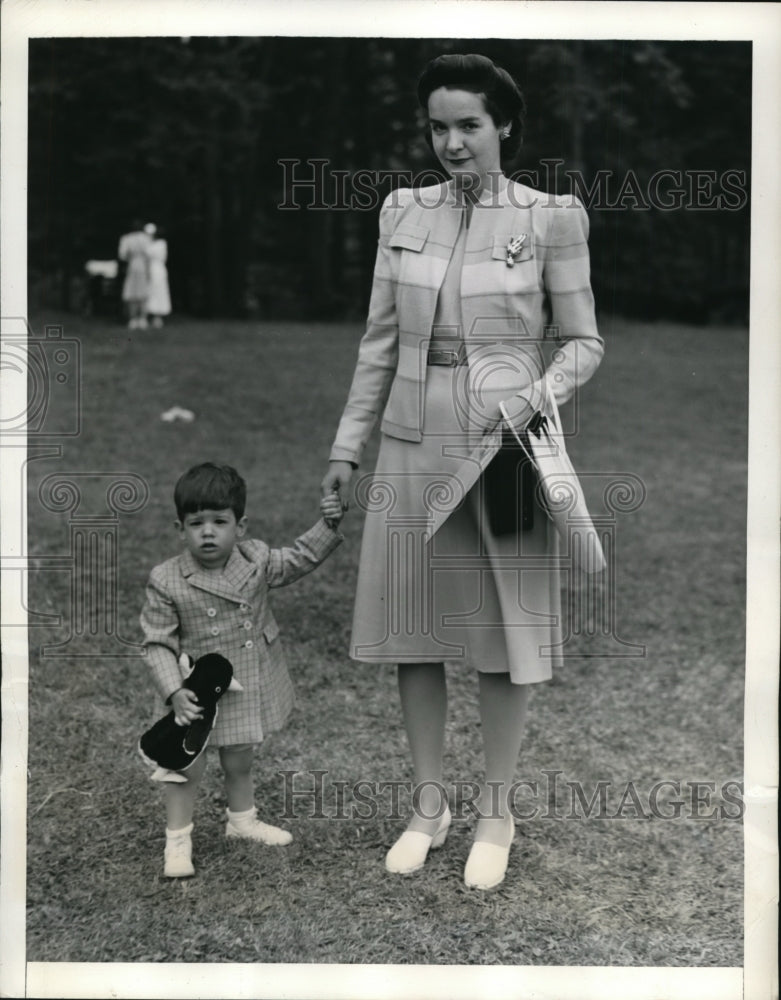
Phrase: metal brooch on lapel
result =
(514, 247)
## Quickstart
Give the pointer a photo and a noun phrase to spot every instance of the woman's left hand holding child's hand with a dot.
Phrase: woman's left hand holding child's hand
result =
(332, 509)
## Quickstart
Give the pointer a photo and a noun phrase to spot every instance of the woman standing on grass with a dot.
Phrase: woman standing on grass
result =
(132, 251)
(481, 296)
(158, 303)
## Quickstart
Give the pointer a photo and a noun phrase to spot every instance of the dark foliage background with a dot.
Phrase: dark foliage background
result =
(190, 132)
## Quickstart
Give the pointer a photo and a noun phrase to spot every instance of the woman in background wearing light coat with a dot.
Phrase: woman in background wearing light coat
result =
(158, 302)
(135, 288)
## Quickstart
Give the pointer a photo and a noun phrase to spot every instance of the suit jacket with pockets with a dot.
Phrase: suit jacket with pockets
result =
(520, 323)
(192, 610)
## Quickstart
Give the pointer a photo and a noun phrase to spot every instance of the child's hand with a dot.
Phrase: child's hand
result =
(332, 509)
(185, 706)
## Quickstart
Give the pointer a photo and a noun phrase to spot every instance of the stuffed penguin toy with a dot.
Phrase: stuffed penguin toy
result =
(174, 747)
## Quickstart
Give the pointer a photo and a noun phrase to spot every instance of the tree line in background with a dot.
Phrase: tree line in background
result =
(203, 136)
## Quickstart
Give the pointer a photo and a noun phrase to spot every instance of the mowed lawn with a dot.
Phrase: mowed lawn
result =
(668, 407)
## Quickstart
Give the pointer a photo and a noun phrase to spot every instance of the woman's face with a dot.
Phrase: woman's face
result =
(464, 136)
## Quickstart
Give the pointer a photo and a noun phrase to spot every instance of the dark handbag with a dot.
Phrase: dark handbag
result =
(510, 484)
(560, 489)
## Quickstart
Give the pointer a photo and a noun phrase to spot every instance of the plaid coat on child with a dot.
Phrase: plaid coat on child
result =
(189, 609)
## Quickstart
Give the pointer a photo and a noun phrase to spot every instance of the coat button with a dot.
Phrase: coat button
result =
(249, 643)
(247, 624)
(215, 630)
(211, 612)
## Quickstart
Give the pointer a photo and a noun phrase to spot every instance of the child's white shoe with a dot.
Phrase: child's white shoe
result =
(247, 826)
(178, 853)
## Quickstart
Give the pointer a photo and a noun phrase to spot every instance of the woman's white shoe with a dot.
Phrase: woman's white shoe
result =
(486, 865)
(410, 851)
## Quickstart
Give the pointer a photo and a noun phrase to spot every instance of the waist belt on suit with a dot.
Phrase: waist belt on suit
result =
(448, 358)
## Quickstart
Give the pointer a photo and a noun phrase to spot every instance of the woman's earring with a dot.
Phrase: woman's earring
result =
(505, 133)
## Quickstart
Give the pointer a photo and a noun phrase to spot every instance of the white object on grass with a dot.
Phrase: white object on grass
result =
(178, 413)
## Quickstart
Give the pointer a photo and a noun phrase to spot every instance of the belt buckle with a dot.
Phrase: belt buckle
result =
(448, 358)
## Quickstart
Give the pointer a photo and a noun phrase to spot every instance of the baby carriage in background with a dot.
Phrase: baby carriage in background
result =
(102, 288)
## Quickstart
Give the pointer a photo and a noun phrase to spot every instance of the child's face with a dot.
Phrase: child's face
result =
(211, 534)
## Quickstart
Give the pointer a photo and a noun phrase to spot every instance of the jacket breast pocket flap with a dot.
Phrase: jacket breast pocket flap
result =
(502, 243)
(270, 632)
(408, 237)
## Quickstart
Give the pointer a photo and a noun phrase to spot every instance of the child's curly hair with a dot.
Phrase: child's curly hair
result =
(209, 486)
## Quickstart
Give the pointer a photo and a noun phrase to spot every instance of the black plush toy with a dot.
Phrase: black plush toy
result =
(176, 747)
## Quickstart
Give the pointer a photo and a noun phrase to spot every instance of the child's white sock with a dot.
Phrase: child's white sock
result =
(246, 824)
(244, 818)
(173, 834)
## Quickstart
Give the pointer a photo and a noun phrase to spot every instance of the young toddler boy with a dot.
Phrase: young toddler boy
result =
(213, 598)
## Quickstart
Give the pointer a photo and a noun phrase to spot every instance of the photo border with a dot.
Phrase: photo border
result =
(759, 23)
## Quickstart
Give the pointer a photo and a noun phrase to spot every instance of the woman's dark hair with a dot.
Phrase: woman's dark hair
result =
(478, 74)
(210, 487)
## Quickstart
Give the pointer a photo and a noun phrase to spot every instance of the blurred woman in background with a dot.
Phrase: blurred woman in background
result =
(135, 288)
(158, 303)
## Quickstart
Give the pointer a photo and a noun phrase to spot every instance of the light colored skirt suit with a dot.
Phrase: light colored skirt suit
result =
(465, 594)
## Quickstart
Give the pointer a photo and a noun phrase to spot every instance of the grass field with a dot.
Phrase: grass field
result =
(667, 406)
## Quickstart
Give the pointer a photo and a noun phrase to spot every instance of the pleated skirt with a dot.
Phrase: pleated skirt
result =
(468, 595)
